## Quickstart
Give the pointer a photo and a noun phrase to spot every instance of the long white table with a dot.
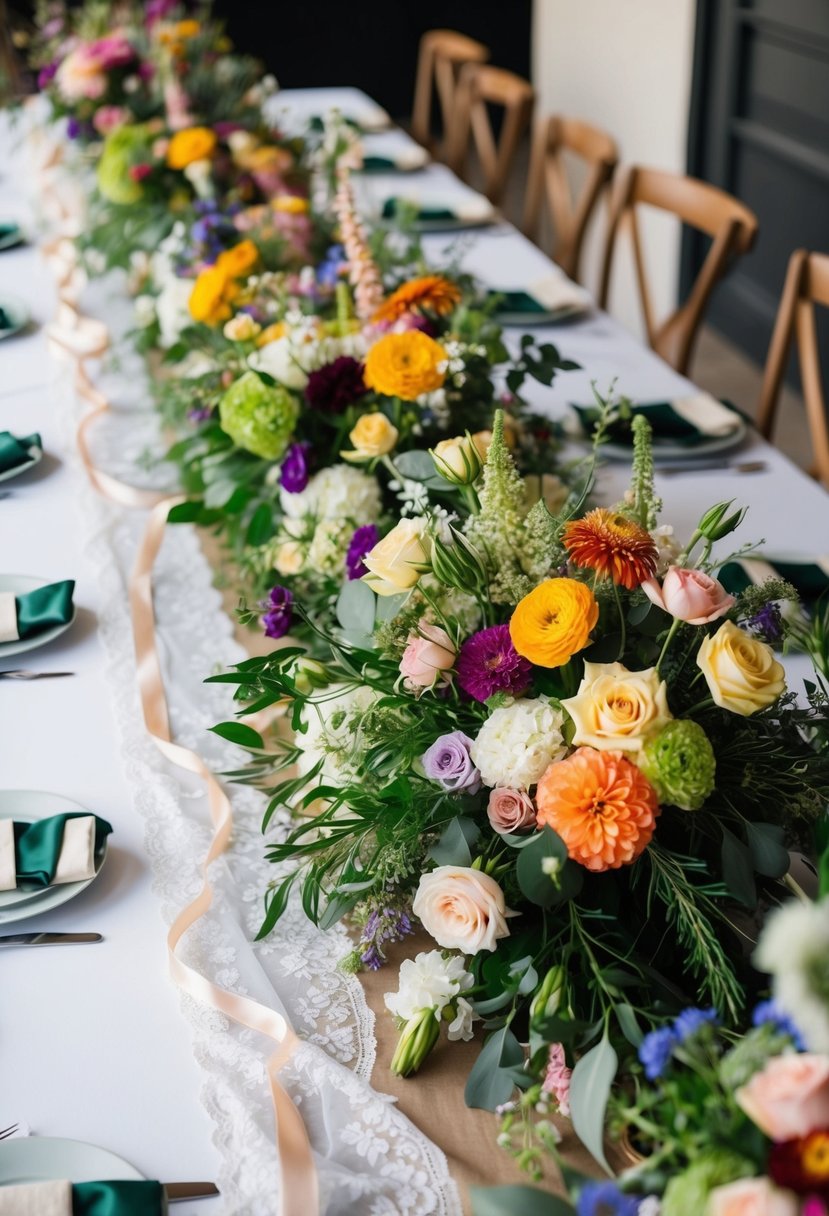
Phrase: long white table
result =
(92, 1041)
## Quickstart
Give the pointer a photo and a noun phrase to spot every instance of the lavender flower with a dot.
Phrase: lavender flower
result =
(277, 620)
(768, 623)
(362, 542)
(655, 1051)
(333, 388)
(293, 474)
(489, 663)
(384, 925)
(448, 762)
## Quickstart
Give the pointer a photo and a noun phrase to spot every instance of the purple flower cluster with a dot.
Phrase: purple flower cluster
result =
(362, 542)
(449, 763)
(384, 925)
(277, 619)
(768, 623)
(657, 1048)
(47, 74)
(489, 663)
(333, 388)
(605, 1199)
(293, 474)
(769, 1013)
(329, 269)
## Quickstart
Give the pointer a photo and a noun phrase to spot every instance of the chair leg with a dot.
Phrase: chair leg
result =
(780, 344)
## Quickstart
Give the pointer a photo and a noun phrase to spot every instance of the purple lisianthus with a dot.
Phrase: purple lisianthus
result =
(293, 475)
(489, 663)
(277, 619)
(362, 542)
(687, 1023)
(448, 762)
(655, 1051)
(73, 127)
(332, 388)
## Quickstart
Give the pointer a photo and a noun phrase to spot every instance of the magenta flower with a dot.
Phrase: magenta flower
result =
(332, 388)
(489, 663)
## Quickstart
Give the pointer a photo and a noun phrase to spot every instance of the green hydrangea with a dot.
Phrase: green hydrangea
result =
(123, 148)
(259, 417)
(688, 1192)
(679, 762)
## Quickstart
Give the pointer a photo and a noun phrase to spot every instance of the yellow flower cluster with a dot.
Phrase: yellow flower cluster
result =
(216, 287)
(190, 145)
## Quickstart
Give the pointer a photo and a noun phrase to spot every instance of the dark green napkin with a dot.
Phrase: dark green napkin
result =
(10, 235)
(45, 607)
(667, 424)
(118, 1199)
(14, 451)
(37, 846)
(5, 320)
(391, 205)
(808, 579)
(379, 164)
(518, 301)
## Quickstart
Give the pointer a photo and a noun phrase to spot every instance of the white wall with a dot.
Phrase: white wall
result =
(626, 66)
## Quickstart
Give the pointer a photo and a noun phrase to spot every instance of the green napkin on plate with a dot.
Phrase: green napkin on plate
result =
(5, 320)
(516, 301)
(84, 1199)
(25, 616)
(16, 451)
(392, 205)
(50, 851)
(686, 420)
(809, 579)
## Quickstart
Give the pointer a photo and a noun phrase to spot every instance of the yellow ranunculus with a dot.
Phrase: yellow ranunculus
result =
(554, 621)
(405, 365)
(211, 296)
(742, 674)
(193, 143)
(616, 708)
(188, 29)
(373, 436)
(458, 460)
(238, 261)
(397, 561)
(290, 204)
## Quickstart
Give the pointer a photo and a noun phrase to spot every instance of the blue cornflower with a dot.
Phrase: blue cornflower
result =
(655, 1051)
(690, 1021)
(769, 1013)
(605, 1199)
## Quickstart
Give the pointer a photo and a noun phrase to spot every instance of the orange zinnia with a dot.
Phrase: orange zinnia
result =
(612, 545)
(601, 805)
(429, 293)
(554, 621)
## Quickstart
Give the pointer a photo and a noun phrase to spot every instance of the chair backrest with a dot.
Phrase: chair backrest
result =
(729, 222)
(481, 85)
(442, 55)
(807, 284)
(549, 181)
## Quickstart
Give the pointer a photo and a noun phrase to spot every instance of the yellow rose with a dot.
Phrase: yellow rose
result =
(289, 558)
(615, 708)
(457, 460)
(742, 674)
(373, 436)
(193, 143)
(397, 561)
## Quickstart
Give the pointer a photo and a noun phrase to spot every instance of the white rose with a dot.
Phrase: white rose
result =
(290, 558)
(518, 743)
(616, 708)
(462, 909)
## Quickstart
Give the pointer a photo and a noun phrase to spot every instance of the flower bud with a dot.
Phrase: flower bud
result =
(417, 1039)
(458, 460)
(548, 997)
(714, 525)
(458, 564)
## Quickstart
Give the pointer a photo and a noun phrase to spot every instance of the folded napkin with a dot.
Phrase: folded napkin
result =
(83, 1199)
(556, 293)
(685, 420)
(467, 210)
(809, 579)
(403, 160)
(50, 851)
(10, 234)
(24, 616)
(14, 451)
(5, 320)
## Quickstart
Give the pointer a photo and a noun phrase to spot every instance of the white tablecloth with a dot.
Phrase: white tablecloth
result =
(92, 1042)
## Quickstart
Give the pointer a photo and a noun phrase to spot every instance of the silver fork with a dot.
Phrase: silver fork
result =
(24, 673)
(8, 1131)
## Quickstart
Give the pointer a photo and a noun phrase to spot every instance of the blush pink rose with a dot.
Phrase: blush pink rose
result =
(107, 118)
(510, 810)
(790, 1097)
(462, 909)
(751, 1197)
(429, 656)
(689, 595)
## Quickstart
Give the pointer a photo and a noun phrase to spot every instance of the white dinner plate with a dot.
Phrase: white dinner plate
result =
(48, 1159)
(668, 451)
(16, 312)
(19, 584)
(35, 458)
(556, 316)
(27, 806)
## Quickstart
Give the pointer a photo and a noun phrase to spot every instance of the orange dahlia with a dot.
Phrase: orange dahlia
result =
(405, 365)
(613, 545)
(554, 621)
(429, 293)
(602, 807)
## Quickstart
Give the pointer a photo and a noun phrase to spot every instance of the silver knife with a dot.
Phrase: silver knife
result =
(49, 939)
(177, 1192)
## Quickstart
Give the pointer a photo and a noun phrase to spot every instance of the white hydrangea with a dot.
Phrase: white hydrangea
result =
(518, 742)
(340, 492)
(334, 736)
(431, 981)
(144, 311)
(793, 949)
(304, 349)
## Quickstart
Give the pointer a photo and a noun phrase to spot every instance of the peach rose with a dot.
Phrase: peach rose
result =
(689, 595)
(751, 1197)
(428, 656)
(510, 810)
(463, 909)
(790, 1097)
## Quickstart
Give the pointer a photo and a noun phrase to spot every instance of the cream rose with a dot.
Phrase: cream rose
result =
(457, 460)
(617, 709)
(751, 1197)
(241, 328)
(462, 909)
(790, 1097)
(373, 436)
(742, 674)
(397, 561)
(290, 558)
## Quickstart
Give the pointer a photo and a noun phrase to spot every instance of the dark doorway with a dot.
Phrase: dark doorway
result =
(760, 129)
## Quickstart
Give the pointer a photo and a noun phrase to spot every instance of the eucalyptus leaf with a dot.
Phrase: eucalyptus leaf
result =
(542, 888)
(489, 1084)
(512, 1200)
(628, 1024)
(589, 1091)
(768, 853)
(356, 607)
(418, 465)
(738, 869)
(455, 844)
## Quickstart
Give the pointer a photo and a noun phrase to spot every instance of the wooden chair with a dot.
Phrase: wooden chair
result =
(732, 226)
(481, 85)
(548, 181)
(442, 55)
(807, 284)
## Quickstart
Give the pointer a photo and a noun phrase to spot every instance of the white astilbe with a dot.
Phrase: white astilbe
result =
(518, 742)
(794, 950)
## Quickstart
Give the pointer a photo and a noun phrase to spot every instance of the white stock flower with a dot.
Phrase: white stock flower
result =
(144, 311)
(428, 981)
(668, 548)
(461, 1025)
(793, 949)
(518, 742)
(339, 492)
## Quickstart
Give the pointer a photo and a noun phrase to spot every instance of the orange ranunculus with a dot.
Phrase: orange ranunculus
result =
(188, 29)
(554, 621)
(271, 333)
(601, 805)
(613, 545)
(428, 293)
(191, 144)
(211, 296)
(238, 261)
(405, 365)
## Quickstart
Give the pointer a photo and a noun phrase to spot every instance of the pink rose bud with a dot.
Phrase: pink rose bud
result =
(510, 810)
(689, 595)
(428, 657)
(751, 1197)
(790, 1097)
